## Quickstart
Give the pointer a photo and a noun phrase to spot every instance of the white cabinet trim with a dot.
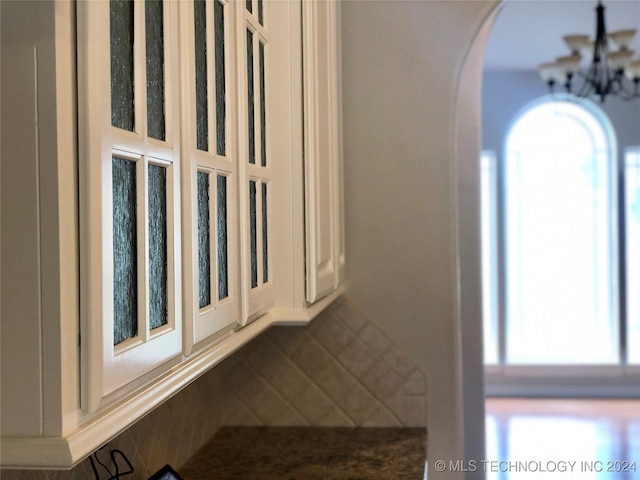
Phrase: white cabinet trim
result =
(65, 452)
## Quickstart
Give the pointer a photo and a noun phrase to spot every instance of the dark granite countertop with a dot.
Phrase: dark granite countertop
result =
(308, 453)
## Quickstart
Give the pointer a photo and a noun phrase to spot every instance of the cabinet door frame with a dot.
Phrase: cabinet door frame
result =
(203, 324)
(322, 147)
(261, 163)
(112, 370)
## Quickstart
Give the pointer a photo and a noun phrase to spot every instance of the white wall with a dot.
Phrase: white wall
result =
(401, 67)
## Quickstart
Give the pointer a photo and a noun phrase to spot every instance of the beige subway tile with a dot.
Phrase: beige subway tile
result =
(375, 339)
(358, 358)
(266, 403)
(288, 339)
(382, 417)
(287, 379)
(399, 362)
(352, 317)
(382, 381)
(311, 358)
(242, 416)
(396, 404)
(335, 418)
(358, 404)
(335, 381)
(289, 417)
(334, 335)
(313, 404)
(416, 384)
(243, 381)
(416, 411)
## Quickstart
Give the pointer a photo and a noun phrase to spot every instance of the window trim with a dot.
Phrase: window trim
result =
(620, 379)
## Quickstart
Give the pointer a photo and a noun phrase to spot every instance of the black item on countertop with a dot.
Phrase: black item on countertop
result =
(166, 473)
(114, 455)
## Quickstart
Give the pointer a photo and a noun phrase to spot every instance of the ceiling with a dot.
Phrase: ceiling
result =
(527, 33)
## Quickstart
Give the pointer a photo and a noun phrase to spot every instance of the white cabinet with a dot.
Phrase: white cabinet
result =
(323, 147)
(129, 157)
(163, 204)
(210, 153)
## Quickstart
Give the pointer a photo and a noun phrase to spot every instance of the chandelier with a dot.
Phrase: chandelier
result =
(610, 72)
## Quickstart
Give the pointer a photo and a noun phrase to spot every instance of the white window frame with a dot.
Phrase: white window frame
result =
(631, 157)
(503, 379)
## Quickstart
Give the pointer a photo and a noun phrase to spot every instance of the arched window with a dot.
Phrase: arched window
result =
(559, 248)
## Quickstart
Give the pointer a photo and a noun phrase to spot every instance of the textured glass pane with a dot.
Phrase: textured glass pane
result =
(202, 101)
(158, 266)
(122, 82)
(249, 5)
(265, 250)
(253, 234)
(250, 102)
(221, 107)
(260, 12)
(204, 245)
(223, 277)
(125, 258)
(154, 28)
(263, 114)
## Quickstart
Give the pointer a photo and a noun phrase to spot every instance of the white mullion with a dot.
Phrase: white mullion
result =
(244, 280)
(172, 210)
(254, 24)
(188, 170)
(168, 42)
(231, 168)
(211, 85)
(264, 171)
(226, 11)
(213, 237)
(142, 212)
(139, 68)
(257, 301)
(230, 245)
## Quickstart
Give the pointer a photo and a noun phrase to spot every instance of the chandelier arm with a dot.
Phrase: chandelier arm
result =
(588, 82)
(630, 93)
(600, 79)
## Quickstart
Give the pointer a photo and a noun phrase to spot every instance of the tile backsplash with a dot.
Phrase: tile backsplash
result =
(340, 370)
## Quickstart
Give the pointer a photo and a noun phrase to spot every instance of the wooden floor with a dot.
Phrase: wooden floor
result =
(542, 438)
